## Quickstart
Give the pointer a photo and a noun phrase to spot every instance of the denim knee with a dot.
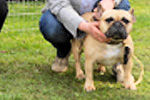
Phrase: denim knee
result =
(125, 5)
(53, 30)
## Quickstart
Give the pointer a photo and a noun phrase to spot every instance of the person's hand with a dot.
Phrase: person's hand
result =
(92, 29)
(107, 4)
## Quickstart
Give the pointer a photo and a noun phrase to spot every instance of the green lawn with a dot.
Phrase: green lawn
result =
(26, 58)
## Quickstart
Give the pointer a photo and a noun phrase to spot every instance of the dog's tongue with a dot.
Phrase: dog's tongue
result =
(107, 4)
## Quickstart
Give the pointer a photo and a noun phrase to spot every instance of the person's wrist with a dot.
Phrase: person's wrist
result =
(83, 26)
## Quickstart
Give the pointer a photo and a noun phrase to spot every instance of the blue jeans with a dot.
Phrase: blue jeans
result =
(125, 5)
(54, 32)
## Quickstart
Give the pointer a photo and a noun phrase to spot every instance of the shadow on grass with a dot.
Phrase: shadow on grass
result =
(69, 76)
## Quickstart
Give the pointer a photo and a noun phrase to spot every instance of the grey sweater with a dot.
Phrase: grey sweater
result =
(68, 12)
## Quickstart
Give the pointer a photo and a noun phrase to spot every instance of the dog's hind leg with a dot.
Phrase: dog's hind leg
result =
(101, 69)
(118, 72)
(76, 49)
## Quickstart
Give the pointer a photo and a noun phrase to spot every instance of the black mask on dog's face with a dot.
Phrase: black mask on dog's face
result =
(117, 31)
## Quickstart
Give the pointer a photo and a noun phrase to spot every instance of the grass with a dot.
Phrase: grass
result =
(25, 60)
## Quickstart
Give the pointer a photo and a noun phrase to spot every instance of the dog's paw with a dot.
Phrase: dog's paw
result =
(129, 84)
(80, 76)
(89, 87)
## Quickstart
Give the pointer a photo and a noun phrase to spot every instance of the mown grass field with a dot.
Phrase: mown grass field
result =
(26, 58)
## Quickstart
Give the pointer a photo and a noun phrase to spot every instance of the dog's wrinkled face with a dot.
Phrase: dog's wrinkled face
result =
(116, 24)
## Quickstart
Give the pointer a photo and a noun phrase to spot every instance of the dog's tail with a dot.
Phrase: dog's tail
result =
(142, 70)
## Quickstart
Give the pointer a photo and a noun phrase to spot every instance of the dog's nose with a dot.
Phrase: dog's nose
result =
(120, 32)
(118, 24)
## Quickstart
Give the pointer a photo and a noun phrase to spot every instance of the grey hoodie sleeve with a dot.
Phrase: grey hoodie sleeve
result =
(65, 13)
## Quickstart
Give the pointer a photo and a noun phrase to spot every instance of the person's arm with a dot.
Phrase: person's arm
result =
(65, 13)
(72, 21)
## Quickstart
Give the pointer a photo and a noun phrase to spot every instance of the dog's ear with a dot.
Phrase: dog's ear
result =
(133, 16)
(98, 11)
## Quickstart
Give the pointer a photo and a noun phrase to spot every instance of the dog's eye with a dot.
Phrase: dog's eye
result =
(108, 20)
(125, 20)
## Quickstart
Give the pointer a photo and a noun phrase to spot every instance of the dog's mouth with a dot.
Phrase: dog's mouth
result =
(114, 41)
(115, 38)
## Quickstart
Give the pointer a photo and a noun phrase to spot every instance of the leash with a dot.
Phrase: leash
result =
(140, 78)
(142, 70)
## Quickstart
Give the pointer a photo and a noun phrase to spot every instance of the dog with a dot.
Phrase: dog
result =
(118, 52)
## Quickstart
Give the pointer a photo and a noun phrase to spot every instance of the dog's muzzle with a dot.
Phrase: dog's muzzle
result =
(117, 31)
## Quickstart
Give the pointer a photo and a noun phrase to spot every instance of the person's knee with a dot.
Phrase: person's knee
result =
(52, 30)
(125, 5)
(47, 25)
(51, 33)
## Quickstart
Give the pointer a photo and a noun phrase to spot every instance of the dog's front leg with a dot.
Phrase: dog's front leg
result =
(76, 49)
(128, 78)
(89, 83)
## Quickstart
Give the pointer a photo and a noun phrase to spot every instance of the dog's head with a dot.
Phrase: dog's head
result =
(116, 24)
